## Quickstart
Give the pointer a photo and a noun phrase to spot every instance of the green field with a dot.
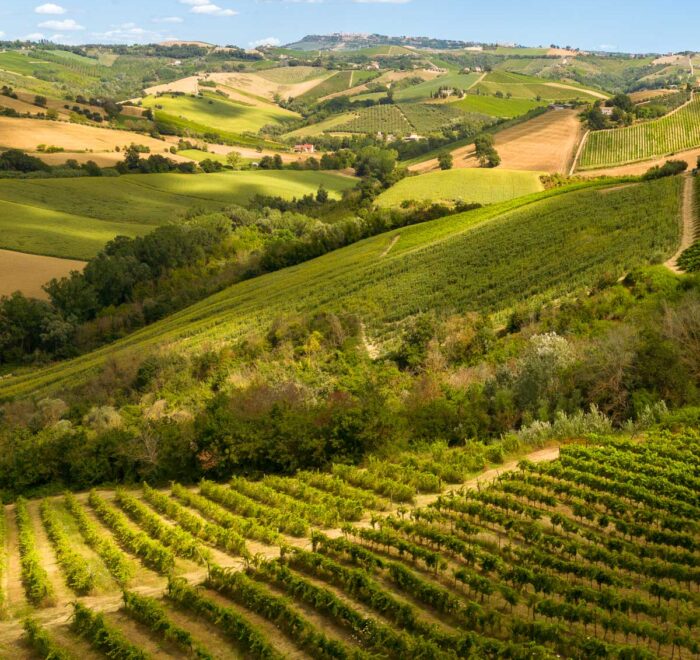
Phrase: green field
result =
(537, 247)
(337, 82)
(331, 125)
(198, 155)
(75, 217)
(494, 106)
(219, 114)
(468, 185)
(528, 87)
(423, 90)
(662, 137)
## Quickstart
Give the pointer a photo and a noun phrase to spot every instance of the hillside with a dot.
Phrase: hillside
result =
(76, 217)
(565, 240)
(427, 563)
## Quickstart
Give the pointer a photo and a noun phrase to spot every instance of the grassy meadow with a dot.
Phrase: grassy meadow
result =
(76, 217)
(483, 186)
(218, 113)
(538, 247)
(493, 106)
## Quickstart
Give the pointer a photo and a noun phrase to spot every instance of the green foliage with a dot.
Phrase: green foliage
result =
(37, 586)
(79, 576)
(117, 563)
(42, 643)
(152, 614)
(93, 628)
(153, 553)
(226, 619)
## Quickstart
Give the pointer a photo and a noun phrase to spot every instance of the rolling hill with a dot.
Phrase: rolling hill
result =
(76, 217)
(565, 240)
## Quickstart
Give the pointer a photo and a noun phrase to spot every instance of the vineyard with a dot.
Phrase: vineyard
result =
(675, 132)
(379, 118)
(591, 555)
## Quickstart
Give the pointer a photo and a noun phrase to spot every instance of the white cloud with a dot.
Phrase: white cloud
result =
(2, 34)
(168, 19)
(376, 2)
(66, 24)
(50, 8)
(207, 8)
(267, 41)
(128, 33)
(212, 10)
(32, 36)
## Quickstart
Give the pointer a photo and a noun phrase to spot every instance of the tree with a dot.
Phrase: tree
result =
(446, 160)
(322, 195)
(376, 162)
(234, 160)
(16, 160)
(40, 101)
(486, 151)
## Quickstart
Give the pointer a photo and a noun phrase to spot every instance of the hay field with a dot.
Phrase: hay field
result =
(544, 144)
(27, 134)
(256, 84)
(29, 272)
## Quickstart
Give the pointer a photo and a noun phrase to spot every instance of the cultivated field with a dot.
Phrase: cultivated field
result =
(483, 186)
(544, 144)
(566, 240)
(495, 106)
(678, 131)
(579, 553)
(29, 272)
(253, 83)
(76, 217)
(27, 134)
(526, 87)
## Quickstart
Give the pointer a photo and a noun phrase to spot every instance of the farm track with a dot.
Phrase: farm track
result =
(11, 631)
(689, 223)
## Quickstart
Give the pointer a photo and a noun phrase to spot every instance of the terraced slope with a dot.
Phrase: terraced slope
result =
(583, 552)
(565, 239)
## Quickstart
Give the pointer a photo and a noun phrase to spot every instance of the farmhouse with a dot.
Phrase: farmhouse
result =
(607, 111)
(304, 149)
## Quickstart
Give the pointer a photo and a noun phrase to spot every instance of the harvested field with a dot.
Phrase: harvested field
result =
(27, 134)
(649, 94)
(28, 272)
(544, 144)
(106, 159)
(252, 83)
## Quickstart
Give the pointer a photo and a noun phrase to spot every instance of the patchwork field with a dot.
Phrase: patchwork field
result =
(527, 87)
(29, 272)
(416, 556)
(678, 131)
(424, 90)
(76, 217)
(483, 186)
(565, 239)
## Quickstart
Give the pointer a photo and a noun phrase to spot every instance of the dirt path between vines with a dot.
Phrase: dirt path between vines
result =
(689, 227)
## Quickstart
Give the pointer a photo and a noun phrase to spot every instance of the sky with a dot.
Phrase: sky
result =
(616, 25)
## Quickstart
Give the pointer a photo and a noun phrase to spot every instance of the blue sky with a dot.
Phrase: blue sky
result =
(634, 26)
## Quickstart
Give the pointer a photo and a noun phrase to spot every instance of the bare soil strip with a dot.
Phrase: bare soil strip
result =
(688, 220)
(394, 241)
